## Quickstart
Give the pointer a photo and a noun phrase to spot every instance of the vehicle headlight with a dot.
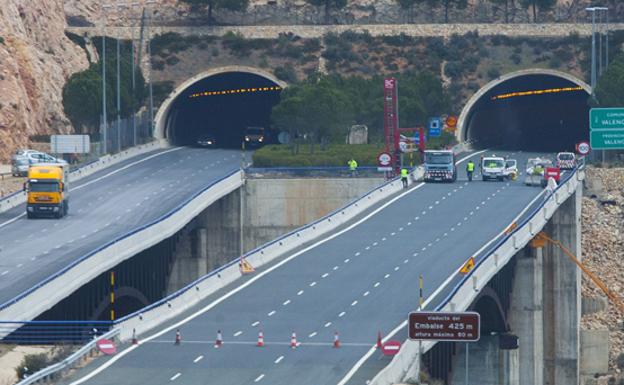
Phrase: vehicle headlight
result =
(246, 139)
(260, 140)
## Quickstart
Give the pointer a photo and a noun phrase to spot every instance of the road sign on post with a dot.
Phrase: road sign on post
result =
(606, 127)
(436, 326)
(435, 127)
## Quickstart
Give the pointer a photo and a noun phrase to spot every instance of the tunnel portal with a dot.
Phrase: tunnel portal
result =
(221, 106)
(528, 111)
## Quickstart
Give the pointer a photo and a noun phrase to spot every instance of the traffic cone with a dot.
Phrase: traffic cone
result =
(293, 341)
(336, 340)
(379, 345)
(135, 341)
(260, 339)
(219, 340)
(178, 337)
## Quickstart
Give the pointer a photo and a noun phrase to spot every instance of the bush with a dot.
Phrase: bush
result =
(493, 73)
(554, 62)
(294, 51)
(172, 60)
(515, 58)
(311, 45)
(286, 73)
(158, 65)
(335, 155)
(34, 363)
(172, 42)
(619, 361)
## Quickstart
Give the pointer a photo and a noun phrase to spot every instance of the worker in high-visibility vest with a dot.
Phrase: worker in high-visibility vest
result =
(404, 174)
(352, 166)
(470, 169)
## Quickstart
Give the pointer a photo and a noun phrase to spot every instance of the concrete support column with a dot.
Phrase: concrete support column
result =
(562, 297)
(487, 363)
(526, 315)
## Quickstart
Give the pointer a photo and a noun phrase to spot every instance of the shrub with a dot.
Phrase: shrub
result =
(537, 50)
(311, 45)
(215, 52)
(619, 361)
(293, 51)
(554, 62)
(34, 363)
(515, 58)
(172, 60)
(158, 65)
(493, 73)
(172, 42)
(564, 55)
(517, 50)
(286, 73)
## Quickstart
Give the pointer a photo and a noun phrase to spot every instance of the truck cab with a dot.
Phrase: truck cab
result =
(566, 160)
(440, 166)
(254, 136)
(47, 190)
(493, 167)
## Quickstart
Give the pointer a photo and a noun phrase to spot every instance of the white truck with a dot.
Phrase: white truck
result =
(493, 167)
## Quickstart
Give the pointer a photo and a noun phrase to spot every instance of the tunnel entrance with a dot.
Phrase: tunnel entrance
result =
(535, 110)
(220, 106)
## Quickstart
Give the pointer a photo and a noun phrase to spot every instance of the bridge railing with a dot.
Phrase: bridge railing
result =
(55, 371)
(461, 290)
(51, 332)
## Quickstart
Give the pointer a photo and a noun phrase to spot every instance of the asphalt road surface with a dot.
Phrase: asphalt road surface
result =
(102, 206)
(361, 281)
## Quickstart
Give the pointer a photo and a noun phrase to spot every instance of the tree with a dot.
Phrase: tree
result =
(409, 5)
(459, 4)
(328, 4)
(610, 87)
(505, 4)
(210, 5)
(543, 5)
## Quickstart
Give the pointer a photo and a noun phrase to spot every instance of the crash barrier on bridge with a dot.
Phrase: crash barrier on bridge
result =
(51, 332)
(297, 172)
(190, 295)
(19, 197)
(461, 290)
(56, 371)
(51, 290)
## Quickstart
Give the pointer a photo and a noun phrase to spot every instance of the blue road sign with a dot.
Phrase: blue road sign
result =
(435, 127)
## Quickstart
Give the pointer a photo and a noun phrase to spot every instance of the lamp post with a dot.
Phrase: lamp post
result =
(104, 138)
(593, 10)
(149, 66)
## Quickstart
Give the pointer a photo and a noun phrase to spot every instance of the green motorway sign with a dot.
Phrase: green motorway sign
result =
(606, 118)
(606, 139)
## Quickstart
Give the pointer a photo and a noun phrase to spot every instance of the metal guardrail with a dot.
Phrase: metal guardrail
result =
(55, 371)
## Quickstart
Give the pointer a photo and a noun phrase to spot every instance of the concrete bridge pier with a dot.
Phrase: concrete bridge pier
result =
(488, 364)
(562, 296)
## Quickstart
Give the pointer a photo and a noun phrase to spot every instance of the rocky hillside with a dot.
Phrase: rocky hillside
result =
(36, 58)
(603, 253)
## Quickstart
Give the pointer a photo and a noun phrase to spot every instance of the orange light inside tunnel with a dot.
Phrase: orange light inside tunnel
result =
(234, 91)
(537, 92)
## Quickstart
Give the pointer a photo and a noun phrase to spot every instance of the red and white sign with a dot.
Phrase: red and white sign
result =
(391, 348)
(106, 346)
(583, 148)
(384, 159)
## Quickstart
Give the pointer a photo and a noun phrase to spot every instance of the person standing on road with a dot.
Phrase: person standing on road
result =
(353, 167)
(404, 175)
(470, 169)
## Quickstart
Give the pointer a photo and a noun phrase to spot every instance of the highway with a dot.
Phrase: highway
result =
(103, 206)
(360, 280)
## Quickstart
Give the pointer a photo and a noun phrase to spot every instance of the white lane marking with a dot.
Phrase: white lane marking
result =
(445, 234)
(175, 376)
(383, 239)
(429, 244)
(437, 202)
(424, 212)
(217, 301)
(396, 268)
(367, 248)
(430, 207)
(327, 324)
(57, 246)
(415, 255)
(300, 292)
(128, 210)
(406, 261)
(312, 334)
(437, 240)
(386, 276)
(346, 260)
(452, 229)
(199, 358)
(366, 293)
(409, 223)
(424, 248)
(403, 324)
(46, 252)
(354, 303)
(5, 272)
(271, 313)
(393, 233)
(325, 275)
(259, 378)
(400, 229)
(20, 265)
(255, 323)
(357, 254)
(279, 359)
(342, 314)
(375, 243)
(286, 302)
(313, 284)
(335, 268)
(416, 218)
(238, 333)
(33, 258)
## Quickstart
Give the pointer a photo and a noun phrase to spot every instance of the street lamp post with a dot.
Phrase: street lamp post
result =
(593, 10)
(104, 137)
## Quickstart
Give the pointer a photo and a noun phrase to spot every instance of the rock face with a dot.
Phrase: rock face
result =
(603, 249)
(36, 58)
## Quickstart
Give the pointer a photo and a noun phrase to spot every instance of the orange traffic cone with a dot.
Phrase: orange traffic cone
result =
(178, 337)
(135, 341)
(260, 339)
(219, 340)
(293, 341)
(379, 345)
(336, 340)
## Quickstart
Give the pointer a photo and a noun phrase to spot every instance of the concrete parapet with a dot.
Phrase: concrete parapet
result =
(594, 352)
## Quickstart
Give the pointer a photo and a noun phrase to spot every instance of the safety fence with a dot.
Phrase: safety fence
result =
(461, 290)
(52, 332)
(77, 359)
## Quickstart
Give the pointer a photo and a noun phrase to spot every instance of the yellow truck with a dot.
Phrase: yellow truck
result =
(48, 190)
